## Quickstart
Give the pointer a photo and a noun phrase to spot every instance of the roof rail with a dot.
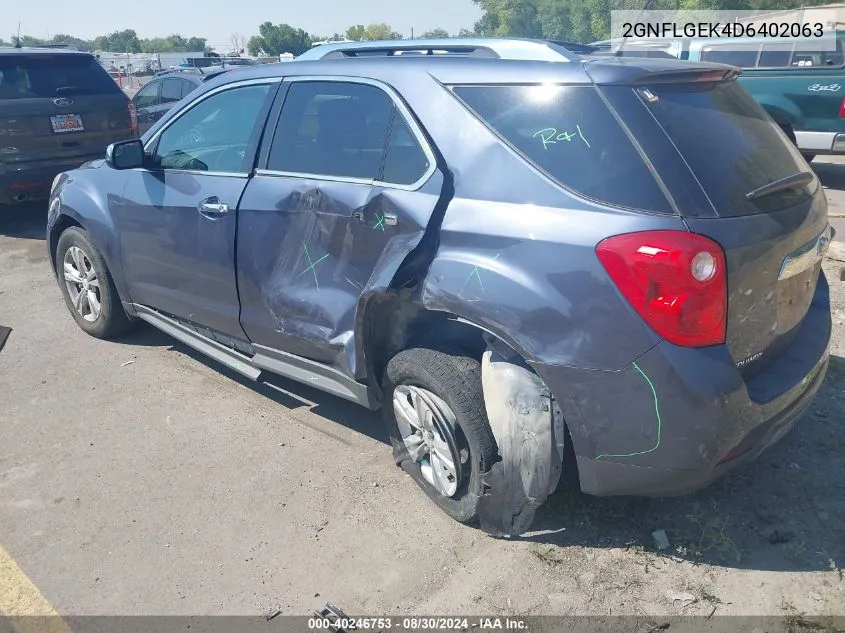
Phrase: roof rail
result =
(496, 48)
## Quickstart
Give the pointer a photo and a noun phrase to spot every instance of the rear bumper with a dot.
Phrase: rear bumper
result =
(678, 418)
(599, 477)
(821, 142)
(32, 181)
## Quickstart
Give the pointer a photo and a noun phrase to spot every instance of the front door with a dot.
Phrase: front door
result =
(346, 194)
(177, 220)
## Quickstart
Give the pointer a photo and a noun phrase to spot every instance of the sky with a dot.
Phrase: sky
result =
(217, 20)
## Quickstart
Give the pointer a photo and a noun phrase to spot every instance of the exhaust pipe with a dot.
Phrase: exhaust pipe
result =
(20, 196)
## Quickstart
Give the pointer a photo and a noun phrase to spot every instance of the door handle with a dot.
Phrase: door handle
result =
(388, 219)
(212, 208)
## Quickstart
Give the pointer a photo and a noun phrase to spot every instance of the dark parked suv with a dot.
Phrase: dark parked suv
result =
(58, 109)
(613, 264)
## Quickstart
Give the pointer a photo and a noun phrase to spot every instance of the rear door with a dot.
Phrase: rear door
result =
(58, 106)
(735, 151)
(344, 196)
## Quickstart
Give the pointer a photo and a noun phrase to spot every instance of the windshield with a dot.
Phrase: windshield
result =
(730, 143)
(43, 75)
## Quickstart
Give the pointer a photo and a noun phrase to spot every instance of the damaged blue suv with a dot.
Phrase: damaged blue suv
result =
(608, 264)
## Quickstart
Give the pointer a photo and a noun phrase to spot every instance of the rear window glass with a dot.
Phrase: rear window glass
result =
(729, 142)
(569, 133)
(44, 75)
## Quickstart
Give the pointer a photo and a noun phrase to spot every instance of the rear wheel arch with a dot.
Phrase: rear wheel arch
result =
(402, 332)
(396, 320)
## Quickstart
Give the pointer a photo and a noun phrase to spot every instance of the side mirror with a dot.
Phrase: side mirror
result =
(125, 154)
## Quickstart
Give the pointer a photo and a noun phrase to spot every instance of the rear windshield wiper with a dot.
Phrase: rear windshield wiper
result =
(789, 182)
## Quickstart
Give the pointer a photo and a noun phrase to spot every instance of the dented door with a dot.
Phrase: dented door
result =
(319, 229)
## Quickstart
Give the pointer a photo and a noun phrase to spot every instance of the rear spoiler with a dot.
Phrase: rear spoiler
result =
(603, 71)
(690, 76)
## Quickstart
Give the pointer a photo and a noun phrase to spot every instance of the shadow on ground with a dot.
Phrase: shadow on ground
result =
(783, 512)
(287, 393)
(27, 220)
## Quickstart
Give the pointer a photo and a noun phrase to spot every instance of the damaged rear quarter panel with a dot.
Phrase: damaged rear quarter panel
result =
(529, 275)
(516, 252)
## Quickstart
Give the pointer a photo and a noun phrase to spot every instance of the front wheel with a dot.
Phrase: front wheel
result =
(87, 286)
(436, 419)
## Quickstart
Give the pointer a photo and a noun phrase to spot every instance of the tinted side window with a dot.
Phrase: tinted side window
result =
(742, 57)
(171, 90)
(187, 88)
(405, 161)
(214, 134)
(569, 133)
(148, 95)
(774, 56)
(807, 54)
(332, 129)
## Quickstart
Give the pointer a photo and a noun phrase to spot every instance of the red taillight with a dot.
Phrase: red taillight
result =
(842, 109)
(133, 119)
(676, 281)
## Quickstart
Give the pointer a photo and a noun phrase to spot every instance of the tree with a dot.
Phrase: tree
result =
(118, 42)
(276, 39)
(518, 18)
(589, 20)
(380, 31)
(435, 34)
(238, 43)
(356, 33)
(70, 40)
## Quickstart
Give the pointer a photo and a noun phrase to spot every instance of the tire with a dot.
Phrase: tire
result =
(111, 320)
(456, 380)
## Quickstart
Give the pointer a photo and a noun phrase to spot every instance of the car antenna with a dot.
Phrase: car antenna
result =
(618, 52)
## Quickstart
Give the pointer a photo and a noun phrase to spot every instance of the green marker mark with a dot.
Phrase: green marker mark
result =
(474, 272)
(312, 265)
(656, 412)
(380, 223)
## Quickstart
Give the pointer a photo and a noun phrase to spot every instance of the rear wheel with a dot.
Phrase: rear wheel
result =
(435, 416)
(87, 286)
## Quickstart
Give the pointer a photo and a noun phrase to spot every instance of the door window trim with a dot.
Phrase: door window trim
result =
(157, 84)
(398, 103)
(152, 144)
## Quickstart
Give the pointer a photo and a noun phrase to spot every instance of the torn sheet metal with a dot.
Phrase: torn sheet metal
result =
(308, 251)
(529, 433)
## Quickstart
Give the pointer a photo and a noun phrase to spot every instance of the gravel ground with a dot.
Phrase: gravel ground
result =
(136, 477)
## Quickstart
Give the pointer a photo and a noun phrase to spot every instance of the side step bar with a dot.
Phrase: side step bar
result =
(302, 370)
